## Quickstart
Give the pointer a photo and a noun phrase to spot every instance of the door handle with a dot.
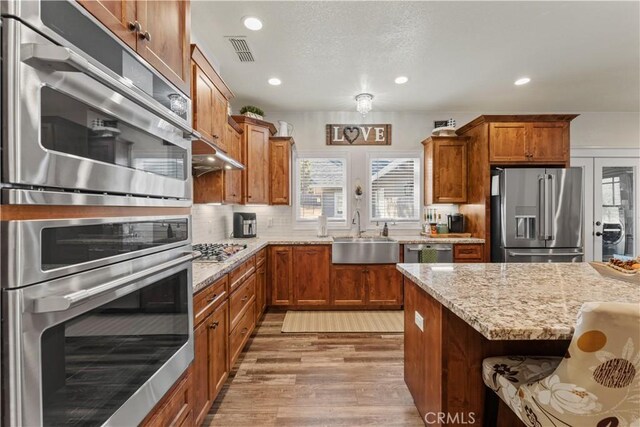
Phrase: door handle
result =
(549, 203)
(541, 207)
(65, 302)
(542, 254)
(64, 59)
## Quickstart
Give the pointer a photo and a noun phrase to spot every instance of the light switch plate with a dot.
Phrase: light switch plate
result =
(419, 321)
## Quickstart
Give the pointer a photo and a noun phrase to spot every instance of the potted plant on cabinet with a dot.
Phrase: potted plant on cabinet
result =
(251, 111)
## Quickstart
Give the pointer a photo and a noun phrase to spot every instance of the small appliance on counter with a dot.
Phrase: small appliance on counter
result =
(455, 223)
(244, 225)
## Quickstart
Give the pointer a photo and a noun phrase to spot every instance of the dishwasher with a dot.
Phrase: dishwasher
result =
(444, 251)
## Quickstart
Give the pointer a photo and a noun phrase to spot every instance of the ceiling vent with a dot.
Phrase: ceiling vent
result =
(241, 47)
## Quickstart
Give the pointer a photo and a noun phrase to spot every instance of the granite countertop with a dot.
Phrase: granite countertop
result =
(205, 273)
(518, 301)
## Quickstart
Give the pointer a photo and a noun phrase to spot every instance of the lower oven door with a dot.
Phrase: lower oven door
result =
(101, 347)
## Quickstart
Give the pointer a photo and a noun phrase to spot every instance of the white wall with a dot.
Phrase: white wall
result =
(408, 129)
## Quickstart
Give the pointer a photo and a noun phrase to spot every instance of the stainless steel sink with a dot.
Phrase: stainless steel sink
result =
(365, 250)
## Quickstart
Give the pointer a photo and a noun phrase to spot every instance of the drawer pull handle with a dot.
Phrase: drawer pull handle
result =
(244, 330)
(214, 325)
(215, 298)
(244, 298)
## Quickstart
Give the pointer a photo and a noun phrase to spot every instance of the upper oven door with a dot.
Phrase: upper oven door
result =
(46, 249)
(67, 126)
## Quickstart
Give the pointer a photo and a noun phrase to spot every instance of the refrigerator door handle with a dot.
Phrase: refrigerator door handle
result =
(549, 206)
(541, 207)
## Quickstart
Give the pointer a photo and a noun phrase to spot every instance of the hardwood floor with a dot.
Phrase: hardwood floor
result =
(316, 380)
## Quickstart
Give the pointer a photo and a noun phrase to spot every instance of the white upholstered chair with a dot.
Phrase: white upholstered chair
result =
(597, 382)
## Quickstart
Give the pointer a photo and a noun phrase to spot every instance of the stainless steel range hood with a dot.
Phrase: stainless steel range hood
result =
(212, 161)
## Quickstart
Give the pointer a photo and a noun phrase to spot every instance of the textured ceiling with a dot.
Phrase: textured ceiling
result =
(459, 56)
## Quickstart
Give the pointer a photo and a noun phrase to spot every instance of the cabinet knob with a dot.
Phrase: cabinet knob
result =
(214, 325)
(134, 26)
(145, 36)
(244, 298)
(244, 331)
(212, 299)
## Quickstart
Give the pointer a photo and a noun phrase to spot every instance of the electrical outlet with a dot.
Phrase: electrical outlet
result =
(419, 321)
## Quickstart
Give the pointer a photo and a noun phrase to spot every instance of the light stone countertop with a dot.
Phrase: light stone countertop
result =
(518, 301)
(205, 273)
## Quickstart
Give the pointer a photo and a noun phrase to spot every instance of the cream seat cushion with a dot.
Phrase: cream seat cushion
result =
(597, 383)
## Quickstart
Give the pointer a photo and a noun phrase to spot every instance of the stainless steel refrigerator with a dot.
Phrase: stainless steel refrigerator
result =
(537, 215)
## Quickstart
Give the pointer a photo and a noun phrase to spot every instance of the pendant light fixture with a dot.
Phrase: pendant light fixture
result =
(364, 102)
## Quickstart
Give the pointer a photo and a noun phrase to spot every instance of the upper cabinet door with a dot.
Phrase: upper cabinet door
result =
(280, 171)
(220, 120)
(202, 95)
(450, 171)
(163, 39)
(119, 16)
(507, 142)
(257, 164)
(548, 142)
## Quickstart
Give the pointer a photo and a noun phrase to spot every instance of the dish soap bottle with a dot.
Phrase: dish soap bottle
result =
(385, 230)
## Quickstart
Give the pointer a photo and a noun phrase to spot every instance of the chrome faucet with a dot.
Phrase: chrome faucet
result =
(353, 221)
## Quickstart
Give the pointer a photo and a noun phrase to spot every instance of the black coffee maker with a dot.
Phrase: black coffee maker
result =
(244, 225)
(456, 223)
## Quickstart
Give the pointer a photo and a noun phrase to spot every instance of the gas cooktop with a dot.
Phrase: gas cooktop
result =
(217, 252)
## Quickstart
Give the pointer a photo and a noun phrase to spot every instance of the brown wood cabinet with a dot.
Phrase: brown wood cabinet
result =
(210, 365)
(367, 285)
(209, 96)
(176, 407)
(529, 142)
(281, 275)
(256, 159)
(280, 150)
(261, 286)
(311, 274)
(159, 31)
(233, 178)
(445, 170)
(468, 253)
(256, 183)
(347, 285)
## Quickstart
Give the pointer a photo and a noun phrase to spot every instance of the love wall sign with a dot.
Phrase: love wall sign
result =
(358, 134)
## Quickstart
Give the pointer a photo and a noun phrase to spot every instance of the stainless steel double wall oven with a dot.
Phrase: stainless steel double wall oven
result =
(96, 309)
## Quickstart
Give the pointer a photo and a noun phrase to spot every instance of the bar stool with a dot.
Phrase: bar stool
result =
(597, 382)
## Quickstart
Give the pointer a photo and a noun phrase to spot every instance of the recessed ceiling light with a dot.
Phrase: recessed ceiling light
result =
(273, 81)
(252, 23)
(522, 81)
(401, 80)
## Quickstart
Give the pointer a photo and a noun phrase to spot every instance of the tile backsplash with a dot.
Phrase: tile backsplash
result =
(215, 222)
(211, 222)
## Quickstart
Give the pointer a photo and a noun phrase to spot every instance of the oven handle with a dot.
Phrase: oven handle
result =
(65, 302)
(60, 58)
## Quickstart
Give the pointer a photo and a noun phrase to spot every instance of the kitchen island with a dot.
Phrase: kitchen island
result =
(458, 314)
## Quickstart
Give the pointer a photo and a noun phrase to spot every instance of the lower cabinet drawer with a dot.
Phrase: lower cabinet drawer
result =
(468, 252)
(241, 333)
(208, 299)
(240, 300)
(240, 274)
